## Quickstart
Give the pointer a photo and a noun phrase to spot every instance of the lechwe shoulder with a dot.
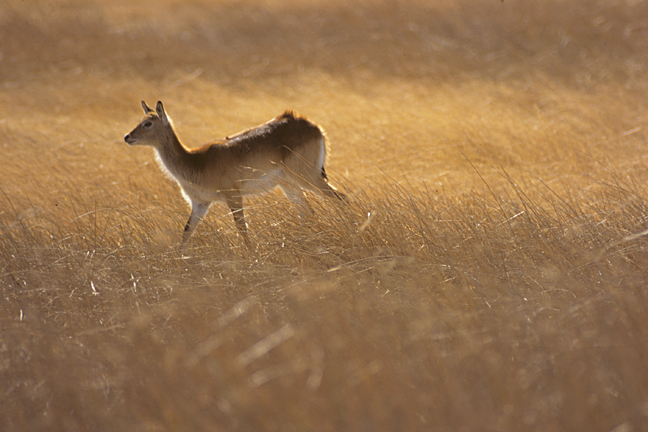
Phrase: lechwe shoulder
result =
(288, 152)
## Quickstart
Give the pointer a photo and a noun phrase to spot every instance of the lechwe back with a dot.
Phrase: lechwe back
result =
(287, 152)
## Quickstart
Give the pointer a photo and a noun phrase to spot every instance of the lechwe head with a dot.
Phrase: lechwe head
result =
(154, 128)
(287, 152)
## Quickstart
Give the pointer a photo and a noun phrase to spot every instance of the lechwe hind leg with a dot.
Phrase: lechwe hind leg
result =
(322, 184)
(317, 183)
(295, 194)
(305, 168)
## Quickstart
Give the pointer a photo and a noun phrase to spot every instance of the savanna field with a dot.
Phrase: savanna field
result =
(489, 272)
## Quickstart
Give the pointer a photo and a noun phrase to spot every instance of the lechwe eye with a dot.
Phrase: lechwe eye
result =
(148, 124)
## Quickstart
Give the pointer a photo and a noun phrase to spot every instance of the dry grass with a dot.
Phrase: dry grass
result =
(489, 272)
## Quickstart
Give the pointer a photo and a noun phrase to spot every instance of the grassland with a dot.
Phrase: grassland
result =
(489, 273)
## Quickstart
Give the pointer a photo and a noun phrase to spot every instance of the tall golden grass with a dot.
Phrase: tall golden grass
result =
(488, 273)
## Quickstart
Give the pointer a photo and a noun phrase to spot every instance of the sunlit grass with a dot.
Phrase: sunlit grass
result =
(488, 272)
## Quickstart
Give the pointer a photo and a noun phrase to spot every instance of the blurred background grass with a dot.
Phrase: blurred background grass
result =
(488, 274)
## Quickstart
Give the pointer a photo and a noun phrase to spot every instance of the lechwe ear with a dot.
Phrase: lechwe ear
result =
(146, 108)
(159, 108)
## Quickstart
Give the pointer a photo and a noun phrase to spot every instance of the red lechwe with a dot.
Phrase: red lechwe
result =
(287, 152)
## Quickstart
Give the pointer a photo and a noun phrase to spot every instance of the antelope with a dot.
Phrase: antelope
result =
(287, 152)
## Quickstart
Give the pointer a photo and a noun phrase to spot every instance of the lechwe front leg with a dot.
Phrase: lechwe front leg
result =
(234, 201)
(198, 212)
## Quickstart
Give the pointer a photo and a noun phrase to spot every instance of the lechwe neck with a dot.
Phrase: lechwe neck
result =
(172, 155)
